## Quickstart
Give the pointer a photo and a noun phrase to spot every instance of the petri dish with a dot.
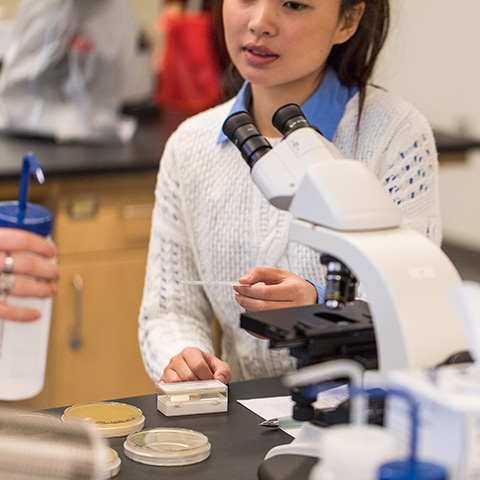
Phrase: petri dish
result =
(111, 419)
(30, 424)
(167, 446)
(113, 463)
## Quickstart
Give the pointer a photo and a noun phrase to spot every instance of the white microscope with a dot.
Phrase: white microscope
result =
(342, 210)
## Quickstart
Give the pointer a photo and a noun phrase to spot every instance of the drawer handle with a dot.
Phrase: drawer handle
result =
(76, 339)
(83, 206)
(131, 212)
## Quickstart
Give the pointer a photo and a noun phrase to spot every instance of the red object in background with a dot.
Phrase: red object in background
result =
(82, 44)
(190, 77)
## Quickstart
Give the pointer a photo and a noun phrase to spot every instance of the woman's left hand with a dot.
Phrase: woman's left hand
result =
(270, 288)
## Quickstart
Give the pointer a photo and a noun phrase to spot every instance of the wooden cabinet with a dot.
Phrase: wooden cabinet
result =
(101, 228)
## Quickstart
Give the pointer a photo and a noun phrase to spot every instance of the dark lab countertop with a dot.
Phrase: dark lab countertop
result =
(143, 152)
(238, 443)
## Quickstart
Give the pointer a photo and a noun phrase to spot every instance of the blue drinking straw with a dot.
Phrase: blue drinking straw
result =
(29, 166)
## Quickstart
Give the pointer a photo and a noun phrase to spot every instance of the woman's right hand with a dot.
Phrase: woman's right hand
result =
(194, 364)
(268, 288)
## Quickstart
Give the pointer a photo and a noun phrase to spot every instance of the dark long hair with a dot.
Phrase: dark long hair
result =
(354, 60)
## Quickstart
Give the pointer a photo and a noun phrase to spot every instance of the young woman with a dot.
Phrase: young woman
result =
(211, 222)
(26, 270)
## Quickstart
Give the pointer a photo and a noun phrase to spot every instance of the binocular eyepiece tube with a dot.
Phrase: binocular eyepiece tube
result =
(244, 134)
(289, 118)
(242, 131)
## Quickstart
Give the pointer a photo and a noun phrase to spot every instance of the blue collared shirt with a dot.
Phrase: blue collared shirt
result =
(324, 109)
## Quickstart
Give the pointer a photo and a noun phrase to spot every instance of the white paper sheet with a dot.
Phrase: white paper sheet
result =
(277, 407)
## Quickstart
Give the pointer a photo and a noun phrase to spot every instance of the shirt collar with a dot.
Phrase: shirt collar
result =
(324, 109)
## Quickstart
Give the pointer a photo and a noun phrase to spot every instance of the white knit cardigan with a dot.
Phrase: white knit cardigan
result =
(211, 222)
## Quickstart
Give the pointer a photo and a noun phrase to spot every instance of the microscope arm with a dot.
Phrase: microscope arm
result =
(406, 278)
(341, 209)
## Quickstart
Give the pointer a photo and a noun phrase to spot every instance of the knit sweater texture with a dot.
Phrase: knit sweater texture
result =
(211, 222)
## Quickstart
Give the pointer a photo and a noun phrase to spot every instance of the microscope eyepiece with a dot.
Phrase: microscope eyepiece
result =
(242, 131)
(289, 118)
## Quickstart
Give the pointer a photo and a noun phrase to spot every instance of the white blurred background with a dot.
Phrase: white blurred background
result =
(432, 60)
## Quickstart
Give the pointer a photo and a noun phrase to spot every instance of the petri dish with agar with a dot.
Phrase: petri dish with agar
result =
(111, 419)
(167, 446)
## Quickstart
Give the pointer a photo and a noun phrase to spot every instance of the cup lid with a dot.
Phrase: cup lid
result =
(36, 219)
(411, 470)
(22, 214)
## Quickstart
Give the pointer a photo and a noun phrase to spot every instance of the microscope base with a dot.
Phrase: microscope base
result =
(307, 443)
(287, 467)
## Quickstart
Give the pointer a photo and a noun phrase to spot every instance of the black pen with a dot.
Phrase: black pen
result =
(282, 422)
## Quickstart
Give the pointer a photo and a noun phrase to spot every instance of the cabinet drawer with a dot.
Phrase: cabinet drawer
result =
(104, 215)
